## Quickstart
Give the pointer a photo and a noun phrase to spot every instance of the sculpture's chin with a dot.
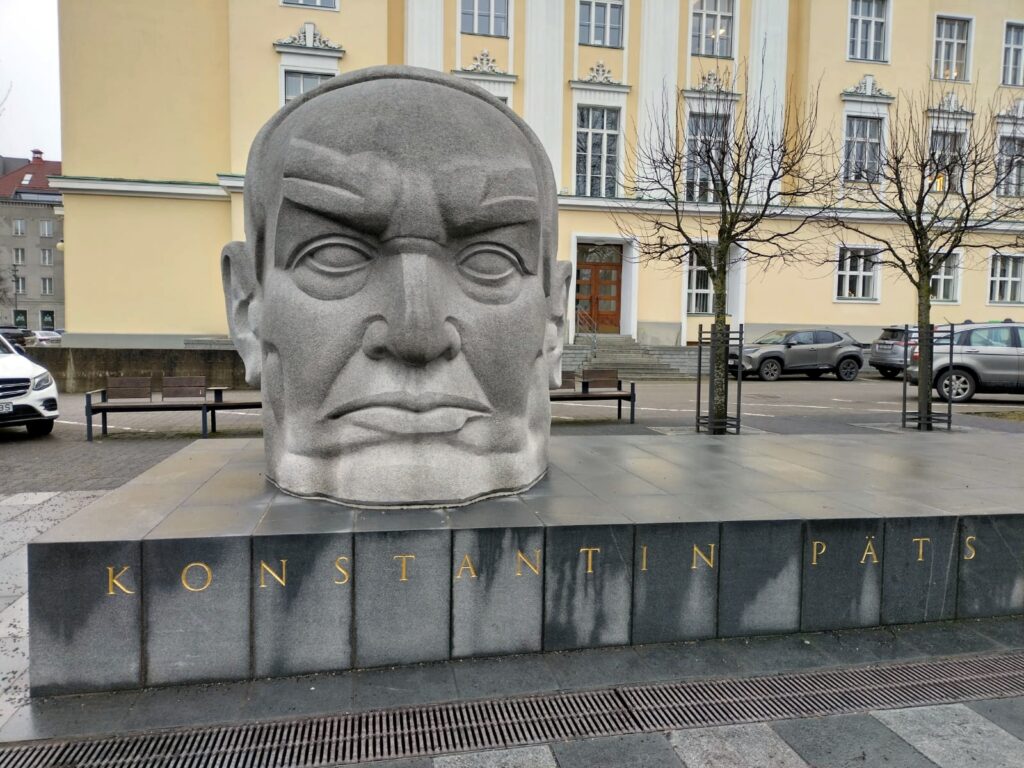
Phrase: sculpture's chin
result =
(405, 476)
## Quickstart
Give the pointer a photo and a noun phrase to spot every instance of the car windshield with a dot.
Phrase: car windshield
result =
(773, 337)
(5, 347)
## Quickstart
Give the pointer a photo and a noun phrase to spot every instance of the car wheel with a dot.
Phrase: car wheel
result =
(815, 374)
(889, 373)
(847, 369)
(40, 428)
(770, 370)
(957, 385)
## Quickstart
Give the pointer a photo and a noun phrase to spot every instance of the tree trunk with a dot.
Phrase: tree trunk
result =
(719, 357)
(926, 348)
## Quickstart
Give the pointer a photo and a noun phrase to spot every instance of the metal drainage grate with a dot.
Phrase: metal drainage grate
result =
(480, 725)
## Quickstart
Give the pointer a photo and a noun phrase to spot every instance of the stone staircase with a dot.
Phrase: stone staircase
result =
(633, 361)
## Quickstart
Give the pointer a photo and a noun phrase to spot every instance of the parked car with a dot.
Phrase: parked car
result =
(986, 357)
(811, 352)
(18, 335)
(47, 338)
(28, 394)
(889, 350)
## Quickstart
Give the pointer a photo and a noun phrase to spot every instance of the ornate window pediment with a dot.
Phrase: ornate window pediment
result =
(599, 73)
(308, 40)
(868, 90)
(484, 63)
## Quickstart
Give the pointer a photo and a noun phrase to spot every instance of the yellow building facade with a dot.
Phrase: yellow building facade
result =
(161, 100)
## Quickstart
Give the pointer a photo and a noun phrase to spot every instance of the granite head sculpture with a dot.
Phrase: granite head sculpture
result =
(397, 297)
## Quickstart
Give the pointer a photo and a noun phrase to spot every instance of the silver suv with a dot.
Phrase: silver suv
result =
(987, 357)
(810, 352)
(888, 350)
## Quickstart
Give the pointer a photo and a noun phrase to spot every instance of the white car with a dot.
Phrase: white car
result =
(47, 338)
(28, 393)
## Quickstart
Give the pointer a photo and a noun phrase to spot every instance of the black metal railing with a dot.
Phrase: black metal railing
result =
(712, 340)
(911, 417)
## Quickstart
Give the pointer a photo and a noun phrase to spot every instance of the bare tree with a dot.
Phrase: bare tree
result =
(723, 177)
(942, 177)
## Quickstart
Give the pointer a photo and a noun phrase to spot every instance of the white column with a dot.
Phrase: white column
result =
(769, 44)
(424, 33)
(543, 76)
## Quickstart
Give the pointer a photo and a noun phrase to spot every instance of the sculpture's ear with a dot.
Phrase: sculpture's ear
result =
(561, 275)
(242, 297)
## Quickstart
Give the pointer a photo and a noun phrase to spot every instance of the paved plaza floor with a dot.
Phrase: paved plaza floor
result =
(44, 481)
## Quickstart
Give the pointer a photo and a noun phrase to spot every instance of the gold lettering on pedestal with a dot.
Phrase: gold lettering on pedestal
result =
(590, 556)
(817, 548)
(969, 543)
(112, 580)
(521, 558)
(265, 569)
(920, 547)
(467, 565)
(709, 558)
(643, 557)
(869, 551)
(404, 559)
(342, 570)
(208, 576)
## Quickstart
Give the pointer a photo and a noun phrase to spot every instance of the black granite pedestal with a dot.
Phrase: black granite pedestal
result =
(199, 570)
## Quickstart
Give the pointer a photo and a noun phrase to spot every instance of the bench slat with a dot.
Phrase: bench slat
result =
(193, 392)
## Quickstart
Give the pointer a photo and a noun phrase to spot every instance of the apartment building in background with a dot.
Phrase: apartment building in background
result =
(31, 230)
(160, 102)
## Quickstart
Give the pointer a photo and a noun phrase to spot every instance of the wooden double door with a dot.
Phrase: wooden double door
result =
(599, 286)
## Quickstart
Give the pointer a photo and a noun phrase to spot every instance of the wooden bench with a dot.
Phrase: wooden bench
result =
(597, 384)
(134, 394)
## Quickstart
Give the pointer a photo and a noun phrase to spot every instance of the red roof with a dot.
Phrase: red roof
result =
(38, 169)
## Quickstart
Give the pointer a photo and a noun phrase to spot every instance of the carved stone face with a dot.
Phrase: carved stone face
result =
(401, 317)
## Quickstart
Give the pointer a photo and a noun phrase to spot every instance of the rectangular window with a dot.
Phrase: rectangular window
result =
(18, 227)
(46, 228)
(1011, 166)
(1013, 55)
(867, 30)
(597, 151)
(951, 36)
(706, 137)
(1004, 281)
(485, 17)
(332, 4)
(857, 276)
(944, 280)
(46, 286)
(19, 285)
(46, 257)
(946, 160)
(19, 255)
(297, 83)
(712, 28)
(863, 156)
(699, 293)
(601, 23)
(46, 321)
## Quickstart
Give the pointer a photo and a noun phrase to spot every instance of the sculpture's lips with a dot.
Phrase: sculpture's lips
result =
(404, 413)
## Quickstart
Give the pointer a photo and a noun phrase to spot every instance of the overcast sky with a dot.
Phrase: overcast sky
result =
(29, 67)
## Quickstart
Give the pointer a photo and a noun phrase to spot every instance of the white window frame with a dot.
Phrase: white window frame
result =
(886, 33)
(716, 111)
(18, 228)
(44, 283)
(968, 50)
(46, 257)
(303, 73)
(337, 6)
(19, 285)
(618, 133)
(859, 275)
(881, 119)
(18, 257)
(693, 293)
(1014, 189)
(606, 32)
(477, 14)
(717, 15)
(46, 228)
(949, 274)
(1008, 48)
(1014, 279)
(953, 127)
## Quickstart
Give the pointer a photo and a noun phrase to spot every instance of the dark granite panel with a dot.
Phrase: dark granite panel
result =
(675, 590)
(290, 515)
(403, 597)
(588, 583)
(196, 609)
(842, 574)
(759, 582)
(85, 615)
(919, 570)
(305, 624)
(991, 581)
(497, 591)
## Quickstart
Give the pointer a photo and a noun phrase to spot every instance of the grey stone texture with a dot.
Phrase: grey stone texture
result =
(919, 570)
(991, 581)
(415, 216)
(842, 574)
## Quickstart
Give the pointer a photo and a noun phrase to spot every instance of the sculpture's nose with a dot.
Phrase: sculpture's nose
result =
(415, 328)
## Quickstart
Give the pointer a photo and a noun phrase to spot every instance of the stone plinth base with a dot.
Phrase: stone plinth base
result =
(199, 570)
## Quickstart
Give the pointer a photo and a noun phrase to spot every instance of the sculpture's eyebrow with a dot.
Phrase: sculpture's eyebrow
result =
(480, 198)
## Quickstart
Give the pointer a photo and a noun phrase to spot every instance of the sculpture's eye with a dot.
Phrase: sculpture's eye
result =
(489, 265)
(331, 268)
(334, 259)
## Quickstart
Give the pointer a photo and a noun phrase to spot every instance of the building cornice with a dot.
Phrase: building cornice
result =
(95, 185)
